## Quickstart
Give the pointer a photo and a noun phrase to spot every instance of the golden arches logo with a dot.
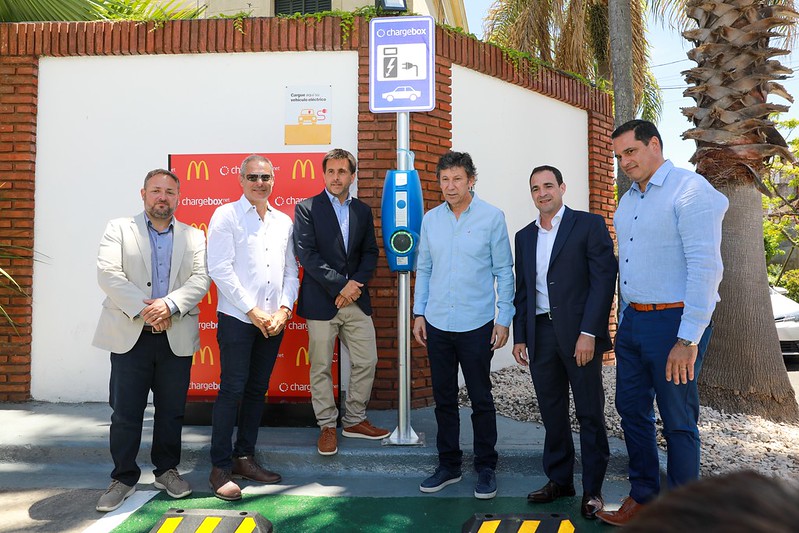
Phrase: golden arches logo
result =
(303, 351)
(304, 166)
(202, 351)
(199, 169)
(202, 226)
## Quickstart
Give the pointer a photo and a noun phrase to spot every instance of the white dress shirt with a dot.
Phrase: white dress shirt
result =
(250, 260)
(543, 254)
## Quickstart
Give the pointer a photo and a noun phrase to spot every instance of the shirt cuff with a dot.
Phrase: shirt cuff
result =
(588, 334)
(172, 307)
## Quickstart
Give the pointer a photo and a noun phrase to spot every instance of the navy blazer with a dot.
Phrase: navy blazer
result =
(581, 280)
(319, 246)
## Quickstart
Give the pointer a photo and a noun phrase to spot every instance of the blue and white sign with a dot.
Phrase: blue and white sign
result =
(402, 64)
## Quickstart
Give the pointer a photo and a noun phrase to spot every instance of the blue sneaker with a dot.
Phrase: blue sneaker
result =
(439, 480)
(486, 487)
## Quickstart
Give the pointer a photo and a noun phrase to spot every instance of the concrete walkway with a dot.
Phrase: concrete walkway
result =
(54, 463)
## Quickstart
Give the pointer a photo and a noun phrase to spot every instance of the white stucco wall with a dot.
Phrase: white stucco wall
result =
(509, 131)
(104, 122)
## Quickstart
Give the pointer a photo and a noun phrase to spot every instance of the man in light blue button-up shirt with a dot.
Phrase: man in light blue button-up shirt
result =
(668, 227)
(464, 278)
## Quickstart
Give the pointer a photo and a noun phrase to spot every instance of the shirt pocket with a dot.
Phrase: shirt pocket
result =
(474, 243)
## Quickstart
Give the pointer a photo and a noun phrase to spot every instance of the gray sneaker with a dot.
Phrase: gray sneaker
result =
(117, 493)
(175, 486)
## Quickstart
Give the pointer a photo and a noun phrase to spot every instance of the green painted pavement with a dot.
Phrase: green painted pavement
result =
(308, 514)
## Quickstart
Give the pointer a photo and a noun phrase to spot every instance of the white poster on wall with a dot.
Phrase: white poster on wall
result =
(308, 114)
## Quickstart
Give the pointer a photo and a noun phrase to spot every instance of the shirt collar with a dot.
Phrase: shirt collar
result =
(555, 220)
(658, 177)
(245, 205)
(150, 223)
(468, 207)
(334, 200)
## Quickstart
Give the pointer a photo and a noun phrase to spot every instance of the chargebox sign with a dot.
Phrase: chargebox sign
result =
(207, 182)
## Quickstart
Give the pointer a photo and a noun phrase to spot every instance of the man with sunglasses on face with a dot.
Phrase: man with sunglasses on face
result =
(251, 261)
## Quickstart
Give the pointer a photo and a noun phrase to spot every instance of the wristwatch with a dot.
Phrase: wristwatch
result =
(288, 312)
(685, 342)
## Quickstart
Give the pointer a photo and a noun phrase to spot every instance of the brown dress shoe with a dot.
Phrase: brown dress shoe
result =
(247, 468)
(327, 444)
(365, 430)
(591, 505)
(550, 492)
(629, 508)
(223, 486)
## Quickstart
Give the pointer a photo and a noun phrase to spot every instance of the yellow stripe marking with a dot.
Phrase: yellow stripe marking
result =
(566, 527)
(170, 524)
(529, 526)
(209, 524)
(489, 526)
(247, 525)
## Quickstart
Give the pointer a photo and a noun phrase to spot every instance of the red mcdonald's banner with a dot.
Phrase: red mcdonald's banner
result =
(211, 180)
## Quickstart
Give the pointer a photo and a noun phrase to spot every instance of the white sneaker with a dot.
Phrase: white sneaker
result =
(116, 494)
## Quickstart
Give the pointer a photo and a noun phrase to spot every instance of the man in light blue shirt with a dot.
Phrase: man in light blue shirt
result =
(668, 227)
(463, 278)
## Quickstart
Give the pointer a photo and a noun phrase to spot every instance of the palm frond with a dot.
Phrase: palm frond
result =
(47, 10)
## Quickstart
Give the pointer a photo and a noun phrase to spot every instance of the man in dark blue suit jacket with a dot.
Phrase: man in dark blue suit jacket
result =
(565, 280)
(334, 239)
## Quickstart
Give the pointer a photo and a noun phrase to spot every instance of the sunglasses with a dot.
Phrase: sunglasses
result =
(266, 178)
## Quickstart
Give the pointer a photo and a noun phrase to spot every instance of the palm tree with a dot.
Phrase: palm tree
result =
(574, 35)
(735, 73)
(52, 10)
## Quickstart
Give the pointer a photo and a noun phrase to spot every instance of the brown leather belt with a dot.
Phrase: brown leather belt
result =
(656, 307)
(149, 329)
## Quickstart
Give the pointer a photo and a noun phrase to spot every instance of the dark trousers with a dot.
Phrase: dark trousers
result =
(553, 369)
(246, 360)
(643, 343)
(471, 350)
(149, 365)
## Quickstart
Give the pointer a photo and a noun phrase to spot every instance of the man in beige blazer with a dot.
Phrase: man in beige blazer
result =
(153, 271)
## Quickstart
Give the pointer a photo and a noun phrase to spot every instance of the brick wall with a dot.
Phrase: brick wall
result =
(430, 136)
(18, 90)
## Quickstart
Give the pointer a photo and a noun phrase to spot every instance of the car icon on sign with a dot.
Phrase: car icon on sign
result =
(307, 116)
(403, 92)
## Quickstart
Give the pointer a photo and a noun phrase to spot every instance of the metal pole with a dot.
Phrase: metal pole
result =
(404, 434)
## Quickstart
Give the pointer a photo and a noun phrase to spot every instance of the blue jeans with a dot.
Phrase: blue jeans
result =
(149, 365)
(246, 359)
(643, 343)
(472, 350)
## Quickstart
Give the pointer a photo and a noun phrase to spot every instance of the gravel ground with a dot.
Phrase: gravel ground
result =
(729, 441)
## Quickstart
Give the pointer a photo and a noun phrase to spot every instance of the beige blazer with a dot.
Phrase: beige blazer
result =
(124, 272)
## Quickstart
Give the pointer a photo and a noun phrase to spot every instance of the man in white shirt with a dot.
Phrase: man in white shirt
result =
(251, 261)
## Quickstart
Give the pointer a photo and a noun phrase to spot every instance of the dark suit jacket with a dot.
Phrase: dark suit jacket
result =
(319, 246)
(581, 280)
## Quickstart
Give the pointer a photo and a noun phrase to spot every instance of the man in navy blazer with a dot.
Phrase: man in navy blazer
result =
(565, 280)
(334, 238)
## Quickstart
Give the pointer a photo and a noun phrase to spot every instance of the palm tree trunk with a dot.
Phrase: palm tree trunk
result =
(621, 39)
(743, 370)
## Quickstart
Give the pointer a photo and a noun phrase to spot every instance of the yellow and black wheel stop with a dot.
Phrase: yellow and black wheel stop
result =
(211, 521)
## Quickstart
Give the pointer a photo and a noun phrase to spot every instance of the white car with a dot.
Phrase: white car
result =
(403, 92)
(786, 316)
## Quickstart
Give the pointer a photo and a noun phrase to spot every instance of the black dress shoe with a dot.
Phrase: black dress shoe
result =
(550, 492)
(591, 505)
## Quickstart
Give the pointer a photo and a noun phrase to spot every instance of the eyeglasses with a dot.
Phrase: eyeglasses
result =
(266, 178)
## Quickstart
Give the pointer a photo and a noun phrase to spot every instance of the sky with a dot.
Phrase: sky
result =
(668, 58)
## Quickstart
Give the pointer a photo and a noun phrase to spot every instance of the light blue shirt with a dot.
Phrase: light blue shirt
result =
(343, 216)
(465, 268)
(161, 261)
(669, 245)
